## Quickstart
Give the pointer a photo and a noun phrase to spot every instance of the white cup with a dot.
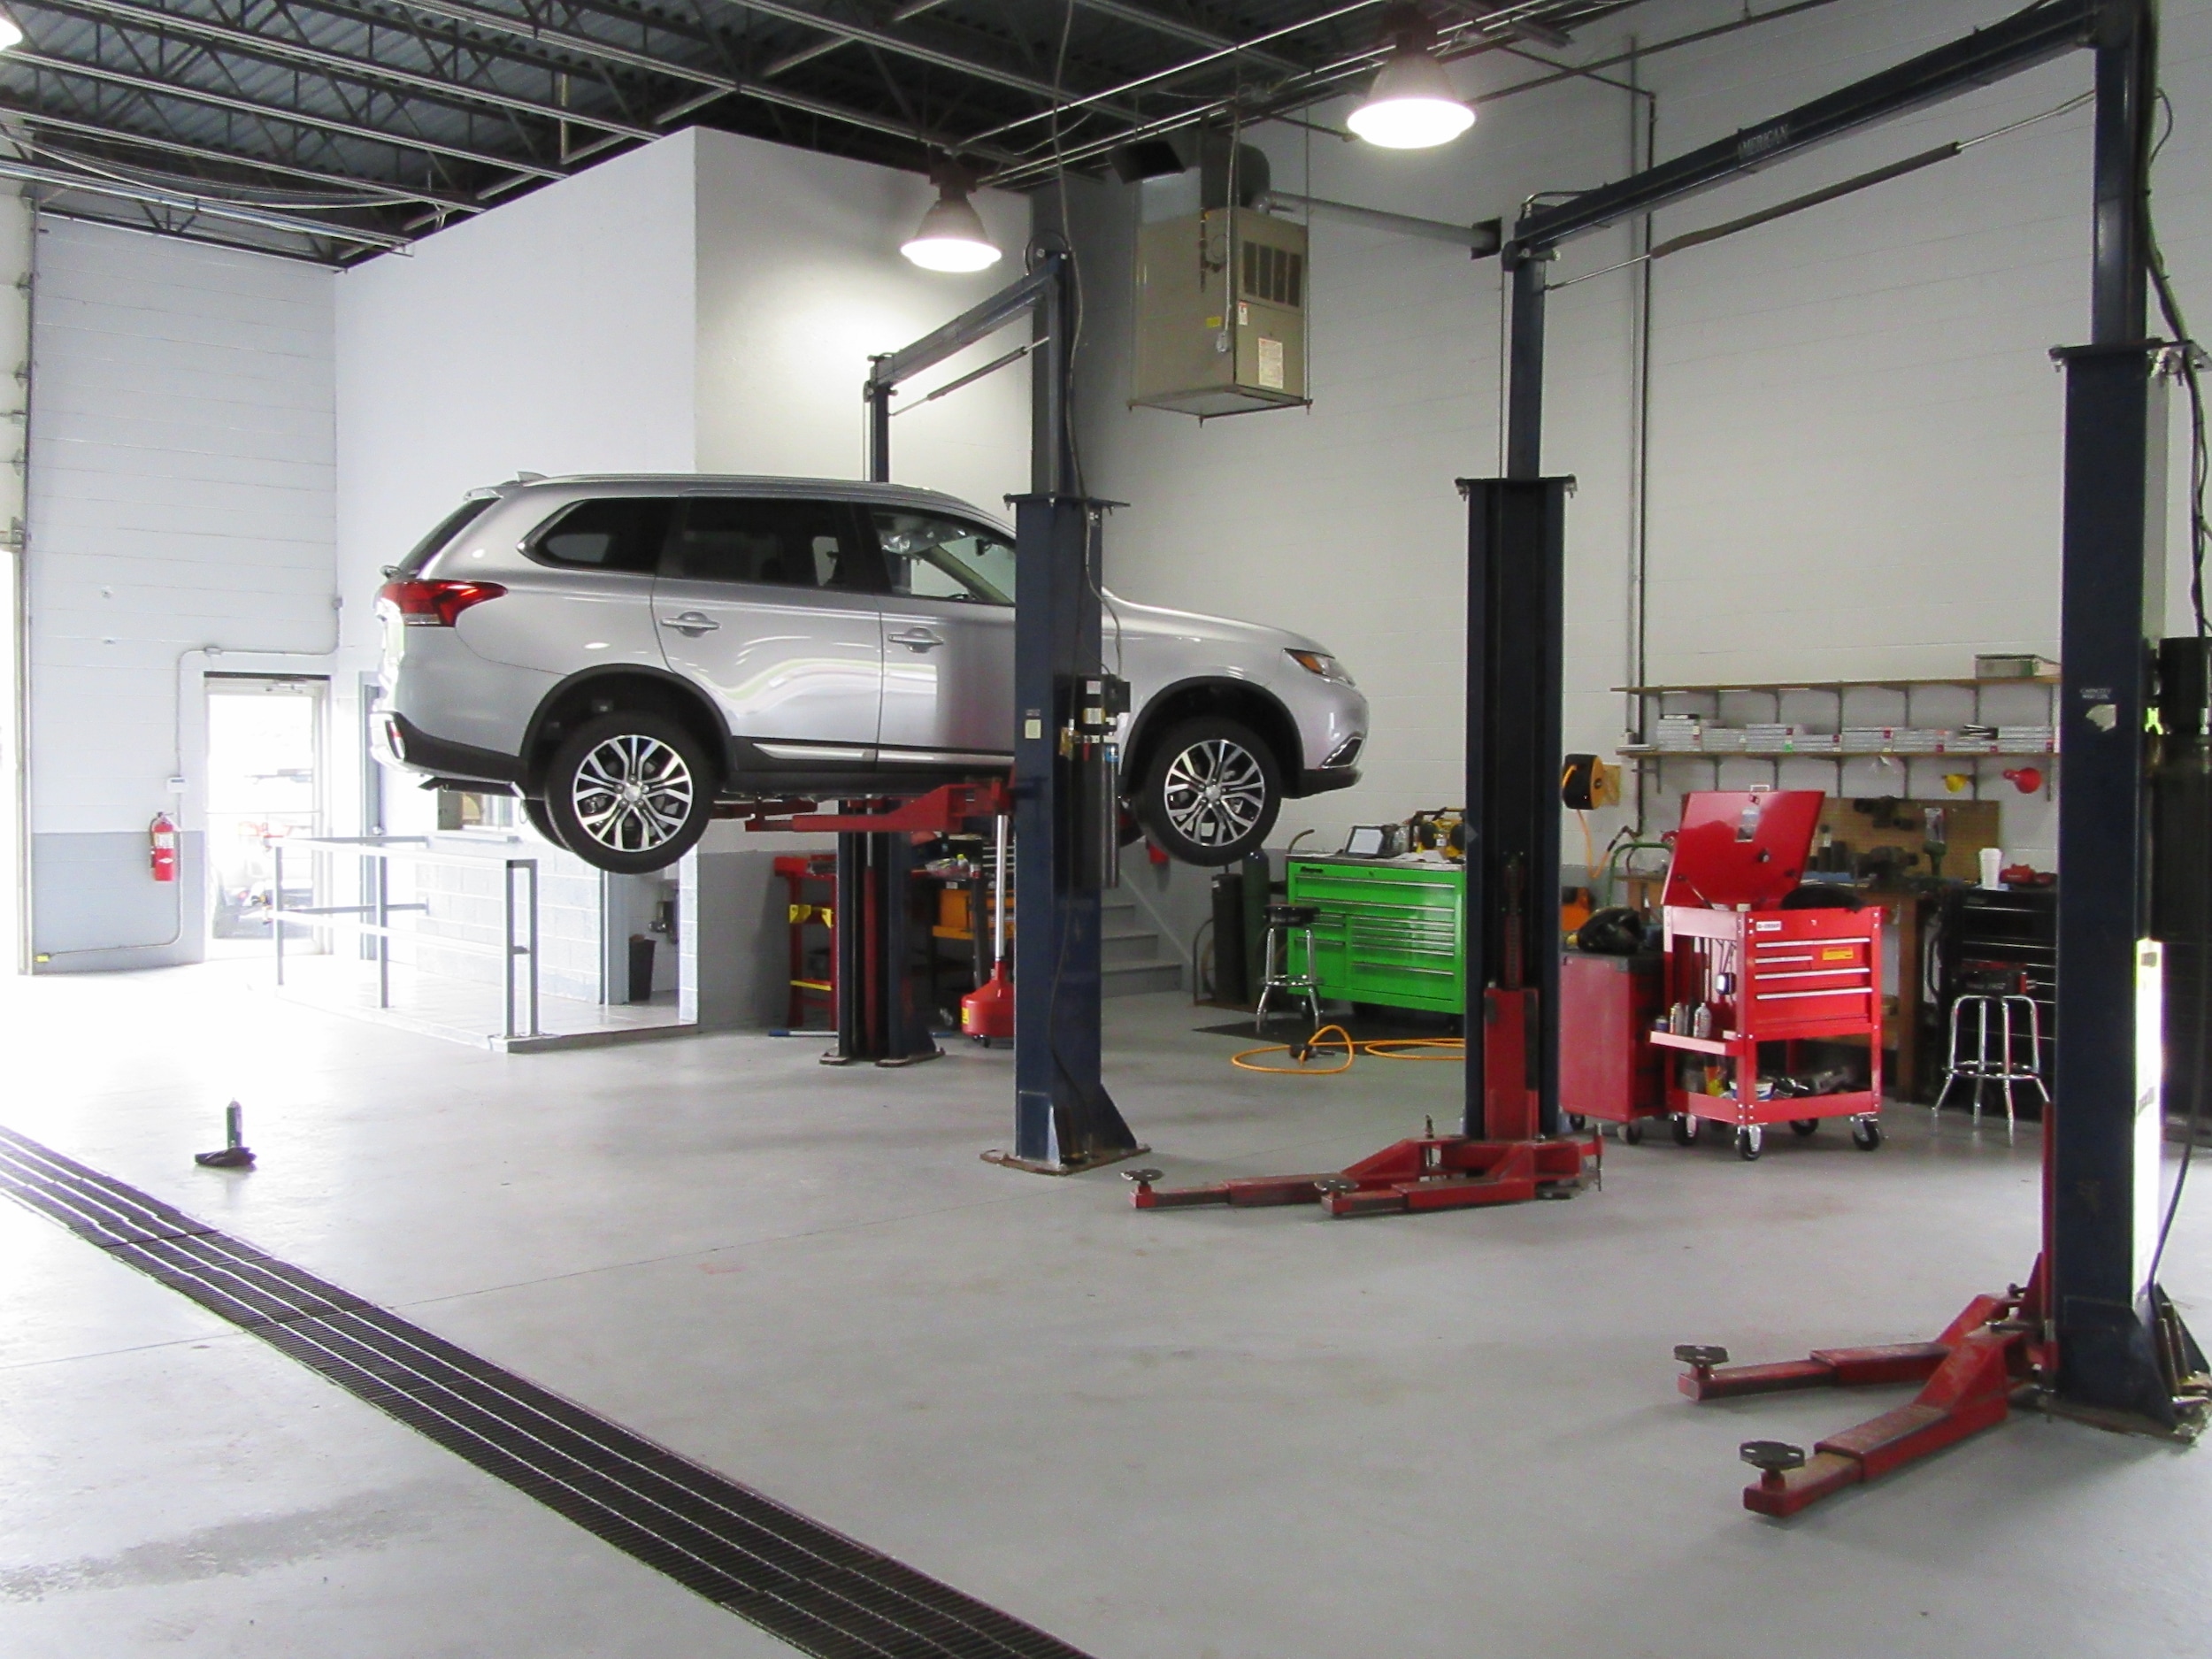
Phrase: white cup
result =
(1993, 861)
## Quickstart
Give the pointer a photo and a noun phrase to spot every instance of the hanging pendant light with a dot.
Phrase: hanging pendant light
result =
(951, 236)
(1412, 105)
(11, 32)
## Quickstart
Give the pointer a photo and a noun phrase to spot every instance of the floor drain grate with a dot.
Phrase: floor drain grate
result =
(816, 1589)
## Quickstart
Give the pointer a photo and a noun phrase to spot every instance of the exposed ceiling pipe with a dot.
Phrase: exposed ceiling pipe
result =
(1063, 105)
(1316, 84)
(1303, 88)
(1482, 239)
(400, 194)
(1181, 29)
(901, 47)
(255, 43)
(906, 14)
(210, 206)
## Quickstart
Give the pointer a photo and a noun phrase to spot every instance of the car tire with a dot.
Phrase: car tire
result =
(540, 819)
(1211, 791)
(664, 815)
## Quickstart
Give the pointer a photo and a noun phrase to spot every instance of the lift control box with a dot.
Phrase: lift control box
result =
(1221, 313)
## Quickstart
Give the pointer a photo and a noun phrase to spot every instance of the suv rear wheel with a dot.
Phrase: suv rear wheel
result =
(629, 792)
(1211, 791)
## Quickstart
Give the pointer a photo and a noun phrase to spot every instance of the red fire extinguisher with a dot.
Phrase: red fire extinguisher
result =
(164, 839)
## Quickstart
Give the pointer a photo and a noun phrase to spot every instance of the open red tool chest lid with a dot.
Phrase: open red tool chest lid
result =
(1741, 848)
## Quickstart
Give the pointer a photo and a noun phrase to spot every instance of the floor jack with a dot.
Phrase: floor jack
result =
(1512, 1166)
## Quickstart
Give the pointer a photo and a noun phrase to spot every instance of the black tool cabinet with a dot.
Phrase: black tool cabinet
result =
(2014, 929)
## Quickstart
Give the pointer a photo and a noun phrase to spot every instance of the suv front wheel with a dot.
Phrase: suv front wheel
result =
(629, 792)
(1211, 791)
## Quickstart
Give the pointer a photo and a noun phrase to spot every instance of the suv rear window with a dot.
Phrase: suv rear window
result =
(624, 533)
(449, 527)
(775, 542)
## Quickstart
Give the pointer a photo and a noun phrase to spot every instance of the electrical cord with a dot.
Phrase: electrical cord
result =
(1377, 1048)
(2200, 534)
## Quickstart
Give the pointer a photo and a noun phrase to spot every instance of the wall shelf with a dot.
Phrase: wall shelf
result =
(1655, 702)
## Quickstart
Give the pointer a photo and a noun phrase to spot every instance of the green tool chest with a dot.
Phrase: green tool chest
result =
(1388, 932)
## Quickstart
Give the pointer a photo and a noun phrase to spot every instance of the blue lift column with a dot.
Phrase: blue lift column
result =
(1065, 838)
(2103, 1137)
(1066, 811)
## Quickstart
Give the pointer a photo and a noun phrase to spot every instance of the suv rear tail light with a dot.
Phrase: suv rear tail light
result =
(427, 604)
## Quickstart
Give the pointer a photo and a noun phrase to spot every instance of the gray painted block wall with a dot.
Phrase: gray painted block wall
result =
(96, 905)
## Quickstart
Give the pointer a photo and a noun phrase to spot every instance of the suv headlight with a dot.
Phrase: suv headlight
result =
(1321, 664)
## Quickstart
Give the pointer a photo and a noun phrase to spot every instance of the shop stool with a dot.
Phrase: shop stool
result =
(1986, 1064)
(1285, 922)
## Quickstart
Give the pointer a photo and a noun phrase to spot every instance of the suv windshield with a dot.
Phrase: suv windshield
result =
(450, 525)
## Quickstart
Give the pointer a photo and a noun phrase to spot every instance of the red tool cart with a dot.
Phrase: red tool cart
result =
(1747, 978)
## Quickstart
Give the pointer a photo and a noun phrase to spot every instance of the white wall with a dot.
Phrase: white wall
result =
(1855, 425)
(553, 334)
(182, 470)
(800, 281)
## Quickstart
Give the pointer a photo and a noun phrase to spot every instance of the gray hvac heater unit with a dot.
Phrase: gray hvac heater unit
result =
(1221, 313)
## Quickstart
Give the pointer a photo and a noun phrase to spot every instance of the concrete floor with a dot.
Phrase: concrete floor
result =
(1198, 1435)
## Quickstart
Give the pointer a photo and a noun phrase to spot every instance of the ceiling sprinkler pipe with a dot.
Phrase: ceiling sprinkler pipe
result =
(1480, 239)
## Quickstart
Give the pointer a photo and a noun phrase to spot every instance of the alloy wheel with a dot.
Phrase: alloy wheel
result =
(633, 792)
(1214, 792)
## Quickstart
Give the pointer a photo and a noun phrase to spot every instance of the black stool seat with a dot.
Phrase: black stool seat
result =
(1293, 915)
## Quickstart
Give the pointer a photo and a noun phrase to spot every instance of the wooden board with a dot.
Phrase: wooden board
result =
(1969, 826)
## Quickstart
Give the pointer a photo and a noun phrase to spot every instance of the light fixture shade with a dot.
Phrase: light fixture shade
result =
(951, 237)
(11, 32)
(1412, 105)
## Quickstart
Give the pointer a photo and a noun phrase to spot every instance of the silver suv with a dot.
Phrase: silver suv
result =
(624, 653)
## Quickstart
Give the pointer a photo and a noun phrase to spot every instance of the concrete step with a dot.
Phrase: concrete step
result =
(1133, 958)
(1129, 944)
(1135, 978)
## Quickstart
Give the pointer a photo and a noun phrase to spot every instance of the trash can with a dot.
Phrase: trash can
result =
(641, 967)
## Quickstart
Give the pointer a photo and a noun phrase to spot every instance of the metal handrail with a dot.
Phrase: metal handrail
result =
(413, 849)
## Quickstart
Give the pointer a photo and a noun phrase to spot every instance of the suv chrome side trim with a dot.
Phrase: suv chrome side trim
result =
(941, 758)
(815, 751)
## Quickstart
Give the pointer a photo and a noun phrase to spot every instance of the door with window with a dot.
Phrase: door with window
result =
(265, 736)
(947, 640)
(767, 602)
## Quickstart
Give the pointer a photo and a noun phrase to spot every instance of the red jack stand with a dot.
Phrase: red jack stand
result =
(1990, 1352)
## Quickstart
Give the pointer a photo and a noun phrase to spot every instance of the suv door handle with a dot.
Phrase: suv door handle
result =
(692, 622)
(916, 640)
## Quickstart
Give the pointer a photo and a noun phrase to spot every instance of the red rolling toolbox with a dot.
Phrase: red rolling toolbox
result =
(1744, 976)
(1607, 1074)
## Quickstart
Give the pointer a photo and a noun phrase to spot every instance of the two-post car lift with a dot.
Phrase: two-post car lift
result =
(2088, 1331)
(1062, 793)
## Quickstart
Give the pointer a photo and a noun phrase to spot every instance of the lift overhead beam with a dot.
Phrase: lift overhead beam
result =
(2003, 50)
